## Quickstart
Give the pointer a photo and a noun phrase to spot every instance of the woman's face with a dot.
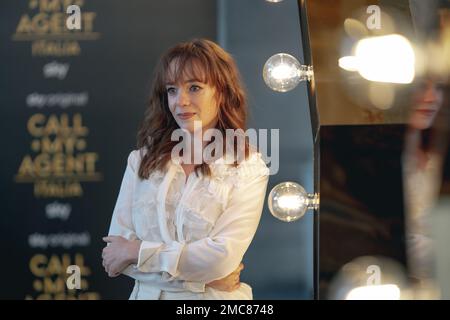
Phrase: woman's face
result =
(191, 99)
(428, 100)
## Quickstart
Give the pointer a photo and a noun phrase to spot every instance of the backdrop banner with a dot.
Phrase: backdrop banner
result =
(73, 88)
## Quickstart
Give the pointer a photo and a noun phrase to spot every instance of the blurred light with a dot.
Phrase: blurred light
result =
(282, 72)
(421, 60)
(386, 59)
(288, 201)
(381, 95)
(375, 292)
(349, 63)
(437, 58)
(369, 277)
(274, 1)
(426, 289)
(355, 28)
(388, 25)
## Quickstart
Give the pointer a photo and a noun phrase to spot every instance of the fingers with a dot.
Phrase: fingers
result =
(105, 266)
(110, 270)
(238, 269)
(106, 261)
(229, 283)
(235, 283)
(112, 262)
(110, 239)
(112, 274)
(235, 286)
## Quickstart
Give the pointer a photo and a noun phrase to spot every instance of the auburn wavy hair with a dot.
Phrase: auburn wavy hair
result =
(219, 70)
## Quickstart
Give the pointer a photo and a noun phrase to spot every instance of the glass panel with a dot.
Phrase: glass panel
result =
(380, 90)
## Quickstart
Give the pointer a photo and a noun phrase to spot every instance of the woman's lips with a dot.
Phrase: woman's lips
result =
(426, 112)
(186, 115)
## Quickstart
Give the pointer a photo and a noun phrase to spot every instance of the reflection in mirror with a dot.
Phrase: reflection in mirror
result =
(422, 171)
(383, 109)
(361, 211)
(425, 152)
(346, 56)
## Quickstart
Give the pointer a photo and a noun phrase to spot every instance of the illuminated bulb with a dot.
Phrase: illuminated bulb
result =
(349, 63)
(388, 58)
(291, 202)
(288, 201)
(282, 72)
(369, 278)
(375, 292)
(383, 59)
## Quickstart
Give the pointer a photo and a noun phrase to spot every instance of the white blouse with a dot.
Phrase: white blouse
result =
(192, 232)
(421, 194)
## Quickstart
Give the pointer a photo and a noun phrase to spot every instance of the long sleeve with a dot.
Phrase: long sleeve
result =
(122, 225)
(121, 222)
(219, 254)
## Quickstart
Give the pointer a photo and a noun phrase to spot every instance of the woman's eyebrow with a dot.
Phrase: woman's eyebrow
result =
(187, 81)
(195, 80)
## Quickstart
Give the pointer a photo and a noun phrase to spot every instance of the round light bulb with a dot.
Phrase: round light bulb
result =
(288, 201)
(369, 278)
(389, 58)
(282, 72)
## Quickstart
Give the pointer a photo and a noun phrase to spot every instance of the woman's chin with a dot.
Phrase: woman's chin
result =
(420, 123)
(186, 126)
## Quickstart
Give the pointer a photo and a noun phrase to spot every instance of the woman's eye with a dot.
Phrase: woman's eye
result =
(195, 88)
(171, 91)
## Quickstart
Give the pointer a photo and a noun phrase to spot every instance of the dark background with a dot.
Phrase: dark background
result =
(115, 71)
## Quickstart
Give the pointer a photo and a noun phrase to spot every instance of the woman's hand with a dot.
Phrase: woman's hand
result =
(230, 283)
(119, 254)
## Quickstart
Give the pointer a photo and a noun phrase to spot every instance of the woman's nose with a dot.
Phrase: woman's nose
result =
(430, 94)
(183, 98)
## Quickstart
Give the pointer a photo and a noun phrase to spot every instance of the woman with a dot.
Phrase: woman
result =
(179, 228)
(423, 159)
